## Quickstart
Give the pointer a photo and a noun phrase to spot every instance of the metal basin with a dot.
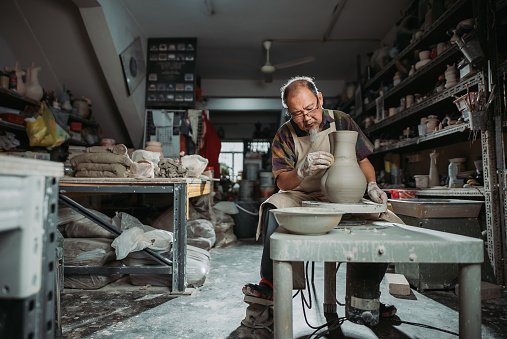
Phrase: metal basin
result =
(437, 208)
(307, 220)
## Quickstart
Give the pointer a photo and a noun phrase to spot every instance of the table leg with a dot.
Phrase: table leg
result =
(282, 290)
(329, 287)
(179, 276)
(470, 301)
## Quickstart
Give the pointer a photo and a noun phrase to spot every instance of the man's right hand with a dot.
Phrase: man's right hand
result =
(313, 162)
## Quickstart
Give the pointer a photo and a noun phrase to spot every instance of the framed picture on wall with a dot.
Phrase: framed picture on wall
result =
(134, 69)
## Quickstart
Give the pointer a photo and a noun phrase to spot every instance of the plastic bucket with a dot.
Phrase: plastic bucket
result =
(422, 181)
(246, 188)
(267, 191)
(267, 178)
(251, 171)
(246, 220)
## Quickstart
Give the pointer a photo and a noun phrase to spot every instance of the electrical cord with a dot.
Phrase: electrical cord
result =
(397, 321)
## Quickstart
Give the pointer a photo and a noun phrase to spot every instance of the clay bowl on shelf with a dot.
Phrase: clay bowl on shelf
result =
(307, 220)
(421, 63)
(424, 55)
(458, 160)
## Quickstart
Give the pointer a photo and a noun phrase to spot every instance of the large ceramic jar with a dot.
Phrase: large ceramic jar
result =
(343, 182)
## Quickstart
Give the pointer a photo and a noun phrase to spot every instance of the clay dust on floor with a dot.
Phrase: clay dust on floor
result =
(87, 311)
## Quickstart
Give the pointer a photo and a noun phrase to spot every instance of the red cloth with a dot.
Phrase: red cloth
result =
(210, 145)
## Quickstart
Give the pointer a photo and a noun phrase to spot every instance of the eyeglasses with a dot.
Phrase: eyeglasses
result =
(310, 113)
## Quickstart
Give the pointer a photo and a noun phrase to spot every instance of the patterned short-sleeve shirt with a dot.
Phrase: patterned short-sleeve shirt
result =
(283, 155)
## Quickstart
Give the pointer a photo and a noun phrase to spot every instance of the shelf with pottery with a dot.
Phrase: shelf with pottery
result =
(421, 81)
(454, 132)
(431, 36)
(428, 104)
(14, 100)
(476, 191)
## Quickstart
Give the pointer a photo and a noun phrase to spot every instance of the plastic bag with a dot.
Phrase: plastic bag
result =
(195, 165)
(42, 129)
(153, 157)
(142, 169)
(135, 239)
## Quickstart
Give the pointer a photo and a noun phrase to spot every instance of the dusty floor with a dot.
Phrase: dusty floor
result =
(216, 309)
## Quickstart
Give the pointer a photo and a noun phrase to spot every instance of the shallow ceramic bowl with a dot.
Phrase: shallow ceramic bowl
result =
(421, 63)
(307, 220)
(458, 160)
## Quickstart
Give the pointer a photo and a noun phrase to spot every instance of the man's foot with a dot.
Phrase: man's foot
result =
(387, 311)
(262, 290)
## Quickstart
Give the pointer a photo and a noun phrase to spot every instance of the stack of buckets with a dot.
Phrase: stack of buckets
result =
(267, 184)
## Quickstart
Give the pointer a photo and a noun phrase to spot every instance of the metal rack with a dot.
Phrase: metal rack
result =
(492, 144)
(181, 189)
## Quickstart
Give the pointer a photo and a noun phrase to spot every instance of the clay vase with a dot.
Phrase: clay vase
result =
(434, 179)
(343, 182)
(32, 87)
(431, 123)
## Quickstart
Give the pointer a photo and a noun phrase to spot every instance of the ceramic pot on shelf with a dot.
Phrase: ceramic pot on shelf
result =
(154, 146)
(343, 182)
(434, 180)
(33, 89)
(431, 123)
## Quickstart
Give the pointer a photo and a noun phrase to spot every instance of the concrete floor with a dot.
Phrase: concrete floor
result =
(216, 309)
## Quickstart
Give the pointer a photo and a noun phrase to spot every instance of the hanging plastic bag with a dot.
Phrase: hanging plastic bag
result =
(42, 129)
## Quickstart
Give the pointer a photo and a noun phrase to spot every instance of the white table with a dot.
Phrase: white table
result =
(378, 242)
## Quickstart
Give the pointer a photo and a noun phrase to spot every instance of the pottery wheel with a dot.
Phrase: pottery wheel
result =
(360, 207)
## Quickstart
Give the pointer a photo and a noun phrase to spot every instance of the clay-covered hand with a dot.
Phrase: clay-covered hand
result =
(313, 162)
(376, 194)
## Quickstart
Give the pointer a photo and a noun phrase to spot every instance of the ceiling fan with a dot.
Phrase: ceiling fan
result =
(268, 69)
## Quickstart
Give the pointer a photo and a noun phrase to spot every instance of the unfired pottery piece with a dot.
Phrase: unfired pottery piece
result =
(307, 220)
(343, 182)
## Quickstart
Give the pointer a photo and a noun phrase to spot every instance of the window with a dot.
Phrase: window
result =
(231, 159)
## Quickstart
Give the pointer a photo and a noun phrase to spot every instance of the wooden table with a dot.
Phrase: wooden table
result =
(181, 188)
(378, 242)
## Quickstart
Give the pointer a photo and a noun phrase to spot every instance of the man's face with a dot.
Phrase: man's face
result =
(305, 108)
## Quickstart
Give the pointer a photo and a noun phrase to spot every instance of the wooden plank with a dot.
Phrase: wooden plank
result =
(397, 284)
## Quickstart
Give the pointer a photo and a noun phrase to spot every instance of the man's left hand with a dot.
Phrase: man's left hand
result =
(376, 194)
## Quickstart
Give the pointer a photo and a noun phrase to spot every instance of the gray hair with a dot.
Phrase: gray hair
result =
(295, 82)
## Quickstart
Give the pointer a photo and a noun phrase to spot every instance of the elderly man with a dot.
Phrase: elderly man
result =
(299, 163)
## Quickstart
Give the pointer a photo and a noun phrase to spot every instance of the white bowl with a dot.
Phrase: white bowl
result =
(421, 63)
(307, 220)
(424, 55)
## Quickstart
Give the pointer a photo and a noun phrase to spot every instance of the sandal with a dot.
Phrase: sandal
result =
(387, 311)
(263, 291)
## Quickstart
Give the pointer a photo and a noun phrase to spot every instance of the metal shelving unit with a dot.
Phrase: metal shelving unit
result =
(491, 139)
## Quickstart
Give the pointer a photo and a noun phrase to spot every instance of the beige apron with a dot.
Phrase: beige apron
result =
(309, 188)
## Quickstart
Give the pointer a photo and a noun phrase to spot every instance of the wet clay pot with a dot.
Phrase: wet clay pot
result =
(343, 182)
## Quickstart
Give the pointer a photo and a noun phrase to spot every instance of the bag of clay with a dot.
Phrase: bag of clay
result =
(73, 224)
(91, 281)
(200, 233)
(136, 239)
(195, 164)
(142, 169)
(140, 154)
(87, 251)
(198, 265)
(224, 229)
